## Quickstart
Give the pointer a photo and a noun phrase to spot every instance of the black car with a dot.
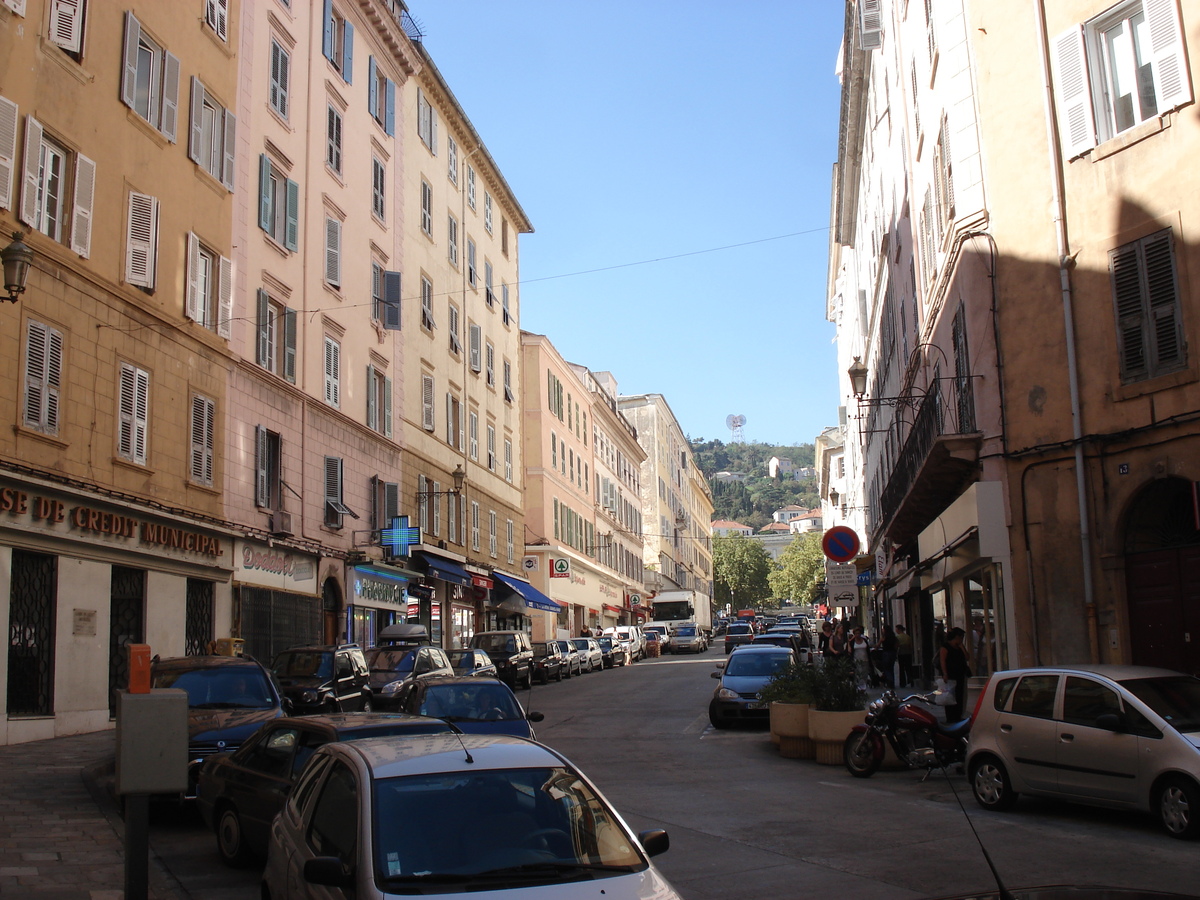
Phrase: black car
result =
(511, 651)
(549, 661)
(470, 661)
(229, 698)
(395, 666)
(474, 705)
(614, 654)
(326, 679)
(239, 793)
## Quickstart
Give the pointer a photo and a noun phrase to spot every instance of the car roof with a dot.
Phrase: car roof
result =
(350, 722)
(760, 648)
(1105, 670)
(459, 679)
(206, 662)
(428, 754)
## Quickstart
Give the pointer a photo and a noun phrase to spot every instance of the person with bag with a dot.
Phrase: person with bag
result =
(953, 668)
(904, 655)
(859, 649)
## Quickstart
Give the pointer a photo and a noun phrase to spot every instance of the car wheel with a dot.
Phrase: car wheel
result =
(862, 754)
(990, 784)
(715, 720)
(231, 842)
(559, 677)
(1178, 804)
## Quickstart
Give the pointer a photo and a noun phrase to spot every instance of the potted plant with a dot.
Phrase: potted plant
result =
(789, 694)
(838, 704)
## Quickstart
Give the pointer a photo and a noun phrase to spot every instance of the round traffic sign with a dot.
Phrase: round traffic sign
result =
(840, 544)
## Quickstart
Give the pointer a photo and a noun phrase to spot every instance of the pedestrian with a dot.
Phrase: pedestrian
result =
(587, 632)
(824, 641)
(837, 643)
(887, 656)
(904, 655)
(952, 664)
(859, 649)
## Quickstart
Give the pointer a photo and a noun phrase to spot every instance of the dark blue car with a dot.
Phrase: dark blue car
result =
(475, 705)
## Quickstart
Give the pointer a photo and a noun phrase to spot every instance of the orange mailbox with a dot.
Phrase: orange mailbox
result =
(139, 668)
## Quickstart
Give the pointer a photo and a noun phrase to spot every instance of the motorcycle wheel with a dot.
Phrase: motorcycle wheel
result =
(862, 753)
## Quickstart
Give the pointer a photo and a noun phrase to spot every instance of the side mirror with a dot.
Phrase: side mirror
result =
(1110, 722)
(653, 842)
(714, 675)
(287, 706)
(534, 716)
(329, 871)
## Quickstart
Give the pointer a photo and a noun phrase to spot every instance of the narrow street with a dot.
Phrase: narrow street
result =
(746, 822)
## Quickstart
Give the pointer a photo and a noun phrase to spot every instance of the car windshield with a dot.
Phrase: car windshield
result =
(484, 701)
(540, 649)
(756, 665)
(565, 646)
(606, 643)
(385, 660)
(496, 643)
(217, 687)
(304, 663)
(1176, 698)
(581, 643)
(686, 630)
(740, 629)
(535, 826)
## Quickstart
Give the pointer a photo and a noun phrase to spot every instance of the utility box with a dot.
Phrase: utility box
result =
(152, 742)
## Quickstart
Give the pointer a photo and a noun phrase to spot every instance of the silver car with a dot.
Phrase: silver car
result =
(689, 639)
(590, 654)
(459, 816)
(1126, 737)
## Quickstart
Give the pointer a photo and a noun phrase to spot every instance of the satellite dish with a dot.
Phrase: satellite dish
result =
(734, 423)
(729, 420)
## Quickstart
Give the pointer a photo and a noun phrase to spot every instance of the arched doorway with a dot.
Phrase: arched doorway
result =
(1162, 577)
(331, 606)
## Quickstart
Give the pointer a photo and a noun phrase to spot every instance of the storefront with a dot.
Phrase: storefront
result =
(83, 577)
(527, 606)
(381, 595)
(451, 589)
(278, 602)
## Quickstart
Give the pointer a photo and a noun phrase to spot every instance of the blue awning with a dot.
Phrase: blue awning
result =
(532, 596)
(446, 570)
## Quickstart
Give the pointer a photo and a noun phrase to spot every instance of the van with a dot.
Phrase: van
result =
(630, 635)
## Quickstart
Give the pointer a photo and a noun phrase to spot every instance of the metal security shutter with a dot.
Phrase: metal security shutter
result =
(272, 621)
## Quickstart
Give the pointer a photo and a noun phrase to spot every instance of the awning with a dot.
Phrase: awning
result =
(532, 596)
(445, 570)
(612, 608)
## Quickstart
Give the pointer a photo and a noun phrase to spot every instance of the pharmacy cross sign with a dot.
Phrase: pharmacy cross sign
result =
(840, 544)
(397, 539)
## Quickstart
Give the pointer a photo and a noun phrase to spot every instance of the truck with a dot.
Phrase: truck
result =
(674, 608)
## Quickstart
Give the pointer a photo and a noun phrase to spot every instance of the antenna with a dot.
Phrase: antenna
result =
(734, 423)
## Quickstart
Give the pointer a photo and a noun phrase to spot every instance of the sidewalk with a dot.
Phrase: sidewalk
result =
(60, 833)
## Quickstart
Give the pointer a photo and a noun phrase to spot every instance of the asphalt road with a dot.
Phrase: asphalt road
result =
(745, 822)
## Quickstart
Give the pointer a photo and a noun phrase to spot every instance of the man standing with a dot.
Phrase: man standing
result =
(904, 655)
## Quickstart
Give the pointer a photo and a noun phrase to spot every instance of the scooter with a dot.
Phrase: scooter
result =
(918, 737)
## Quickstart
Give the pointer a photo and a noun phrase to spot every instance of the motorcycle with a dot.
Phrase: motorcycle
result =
(918, 737)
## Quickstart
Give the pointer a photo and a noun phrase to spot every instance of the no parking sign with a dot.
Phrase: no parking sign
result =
(840, 544)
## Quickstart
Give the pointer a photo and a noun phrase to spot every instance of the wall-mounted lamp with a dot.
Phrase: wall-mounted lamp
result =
(834, 496)
(858, 378)
(17, 259)
(460, 478)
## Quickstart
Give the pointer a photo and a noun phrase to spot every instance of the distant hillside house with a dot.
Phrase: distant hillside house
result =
(787, 513)
(780, 468)
(775, 538)
(730, 476)
(724, 528)
(806, 472)
(776, 528)
(810, 521)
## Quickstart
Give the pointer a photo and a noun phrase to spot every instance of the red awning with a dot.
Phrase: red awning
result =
(615, 609)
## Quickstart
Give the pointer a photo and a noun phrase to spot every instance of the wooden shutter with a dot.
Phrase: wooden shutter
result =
(169, 117)
(473, 436)
(262, 487)
(81, 205)
(372, 88)
(66, 24)
(387, 407)
(17, 6)
(333, 365)
(1073, 93)
(262, 353)
(9, 120)
(333, 252)
(1167, 53)
(333, 479)
(225, 297)
(43, 376)
(450, 419)
(391, 501)
(31, 176)
(289, 345)
(389, 119)
(196, 122)
(217, 13)
(327, 19)
(372, 407)
(391, 301)
(229, 147)
(348, 52)
(1131, 319)
(203, 424)
(192, 303)
(142, 250)
(133, 411)
(291, 235)
(427, 419)
(476, 349)
(1162, 294)
(265, 213)
(133, 33)
(871, 23)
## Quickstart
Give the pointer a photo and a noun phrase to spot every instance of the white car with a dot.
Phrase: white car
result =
(463, 816)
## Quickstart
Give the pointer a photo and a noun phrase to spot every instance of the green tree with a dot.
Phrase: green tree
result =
(801, 566)
(741, 571)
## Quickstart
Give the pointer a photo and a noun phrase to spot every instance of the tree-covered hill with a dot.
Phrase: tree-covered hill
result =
(752, 501)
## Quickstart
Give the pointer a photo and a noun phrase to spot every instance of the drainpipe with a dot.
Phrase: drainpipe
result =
(1066, 263)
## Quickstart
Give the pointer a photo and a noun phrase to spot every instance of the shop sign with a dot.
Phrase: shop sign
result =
(635, 599)
(530, 564)
(272, 566)
(480, 582)
(421, 591)
(560, 568)
(378, 591)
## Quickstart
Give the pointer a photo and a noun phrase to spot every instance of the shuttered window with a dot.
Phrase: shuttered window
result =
(1150, 338)
(43, 376)
(427, 416)
(133, 413)
(141, 250)
(333, 252)
(333, 372)
(203, 435)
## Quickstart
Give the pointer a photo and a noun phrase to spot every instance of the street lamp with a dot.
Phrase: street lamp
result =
(17, 259)
(858, 377)
(459, 477)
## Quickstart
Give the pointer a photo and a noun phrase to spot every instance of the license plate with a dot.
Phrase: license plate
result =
(757, 704)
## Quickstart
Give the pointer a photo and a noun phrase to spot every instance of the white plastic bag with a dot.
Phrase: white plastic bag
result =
(945, 692)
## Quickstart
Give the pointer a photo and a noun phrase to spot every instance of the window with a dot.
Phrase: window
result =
(426, 208)
(333, 140)
(508, 392)
(470, 187)
(335, 509)
(385, 502)
(281, 64)
(454, 425)
(423, 503)
(504, 236)
(66, 24)
(452, 161)
(487, 211)
(141, 249)
(452, 239)
(427, 419)
(1146, 300)
(43, 376)
(427, 304)
(452, 518)
(381, 98)
(488, 293)
(213, 135)
(473, 434)
(472, 273)
(203, 431)
(279, 205)
(268, 460)
(943, 176)
(508, 529)
(216, 16)
(133, 412)
(492, 532)
(333, 252)
(508, 460)
(48, 196)
(210, 287)
(474, 524)
(338, 43)
(379, 401)
(276, 345)
(1035, 695)
(436, 489)
(378, 188)
(10, 122)
(1085, 700)
(455, 342)
(504, 303)
(426, 122)
(1117, 71)
(490, 357)
(491, 448)
(150, 79)
(385, 295)
(333, 372)
(476, 348)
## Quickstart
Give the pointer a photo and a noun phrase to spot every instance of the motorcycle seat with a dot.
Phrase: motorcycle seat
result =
(961, 728)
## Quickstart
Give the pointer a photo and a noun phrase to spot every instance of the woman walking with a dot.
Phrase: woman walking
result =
(952, 665)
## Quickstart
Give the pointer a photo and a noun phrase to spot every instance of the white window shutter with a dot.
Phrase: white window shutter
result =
(202, 439)
(31, 175)
(450, 419)
(229, 148)
(141, 415)
(191, 307)
(871, 24)
(35, 373)
(17, 6)
(225, 297)
(427, 420)
(1167, 54)
(9, 120)
(372, 409)
(1073, 93)
(332, 372)
(81, 213)
(142, 237)
(170, 97)
(387, 407)
(196, 122)
(133, 33)
(262, 492)
(333, 251)
(476, 350)
(66, 24)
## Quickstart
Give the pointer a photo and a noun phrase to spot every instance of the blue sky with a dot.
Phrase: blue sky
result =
(659, 130)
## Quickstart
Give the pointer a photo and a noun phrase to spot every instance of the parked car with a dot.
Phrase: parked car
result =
(613, 651)
(654, 646)
(329, 678)
(664, 637)
(229, 698)
(736, 634)
(395, 666)
(489, 815)
(549, 661)
(470, 661)
(511, 651)
(590, 654)
(238, 794)
(791, 640)
(475, 705)
(1126, 737)
(631, 636)
(573, 657)
(689, 639)
(743, 676)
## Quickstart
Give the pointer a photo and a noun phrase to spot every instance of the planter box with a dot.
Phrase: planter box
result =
(828, 731)
(789, 729)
